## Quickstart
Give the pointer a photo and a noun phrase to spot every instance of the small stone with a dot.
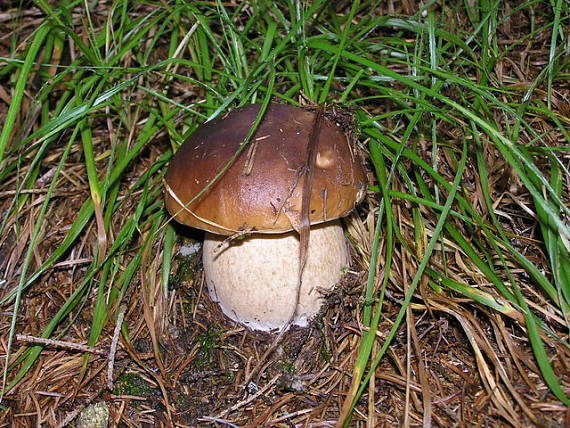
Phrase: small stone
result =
(94, 416)
(189, 249)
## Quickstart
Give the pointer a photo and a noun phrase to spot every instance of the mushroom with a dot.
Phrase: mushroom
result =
(254, 277)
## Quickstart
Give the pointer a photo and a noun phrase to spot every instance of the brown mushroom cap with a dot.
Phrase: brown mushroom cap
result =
(268, 198)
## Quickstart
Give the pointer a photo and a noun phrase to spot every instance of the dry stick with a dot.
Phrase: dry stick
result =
(250, 157)
(38, 192)
(113, 349)
(304, 227)
(228, 241)
(262, 391)
(426, 393)
(219, 421)
(290, 416)
(60, 344)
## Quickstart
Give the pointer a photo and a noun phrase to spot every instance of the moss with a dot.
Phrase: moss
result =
(206, 342)
(288, 367)
(324, 352)
(186, 266)
(230, 376)
(133, 384)
(186, 270)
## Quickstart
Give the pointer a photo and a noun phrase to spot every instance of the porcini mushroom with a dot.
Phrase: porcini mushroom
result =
(254, 279)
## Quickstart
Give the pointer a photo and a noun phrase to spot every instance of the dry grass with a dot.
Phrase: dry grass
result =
(179, 362)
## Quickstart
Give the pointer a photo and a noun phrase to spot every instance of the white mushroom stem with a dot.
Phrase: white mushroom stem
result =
(255, 279)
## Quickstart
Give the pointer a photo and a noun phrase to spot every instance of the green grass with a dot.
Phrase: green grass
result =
(124, 78)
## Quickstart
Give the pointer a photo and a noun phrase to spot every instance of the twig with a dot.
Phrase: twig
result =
(219, 421)
(250, 157)
(303, 229)
(290, 416)
(242, 403)
(305, 226)
(38, 192)
(113, 349)
(60, 344)
(227, 242)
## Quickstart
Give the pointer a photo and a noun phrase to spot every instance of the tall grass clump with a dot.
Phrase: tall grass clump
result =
(461, 109)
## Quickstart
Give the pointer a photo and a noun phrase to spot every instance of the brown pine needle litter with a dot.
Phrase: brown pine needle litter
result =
(455, 311)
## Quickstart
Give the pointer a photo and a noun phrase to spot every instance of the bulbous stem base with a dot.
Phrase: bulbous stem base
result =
(255, 279)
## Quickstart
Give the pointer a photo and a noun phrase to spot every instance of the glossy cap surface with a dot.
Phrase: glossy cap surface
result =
(262, 190)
